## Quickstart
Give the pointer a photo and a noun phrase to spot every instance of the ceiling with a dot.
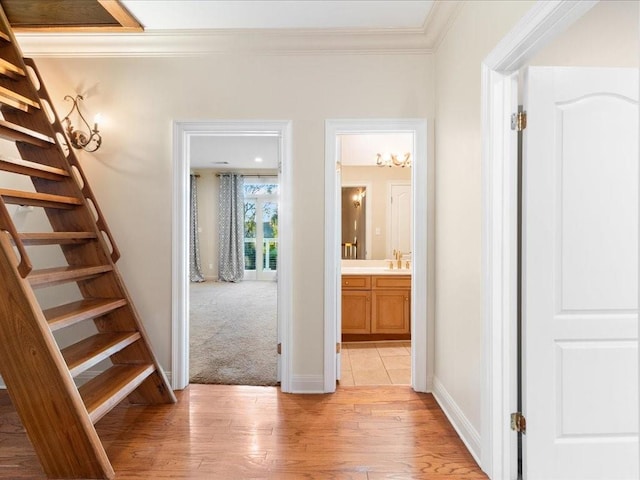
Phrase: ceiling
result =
(168, 15)
(141, 28)
(300, 14)
(362, 149)
(239, 152)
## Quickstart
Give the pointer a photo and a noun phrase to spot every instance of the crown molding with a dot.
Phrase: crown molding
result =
(439, 20)
(181, 43)
(197, 43)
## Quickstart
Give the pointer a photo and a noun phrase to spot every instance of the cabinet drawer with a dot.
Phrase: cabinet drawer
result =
(391, 281)
(356, 282)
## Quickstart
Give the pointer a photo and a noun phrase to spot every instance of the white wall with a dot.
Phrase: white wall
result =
(606, 36)
(477, 29)
(132, 173)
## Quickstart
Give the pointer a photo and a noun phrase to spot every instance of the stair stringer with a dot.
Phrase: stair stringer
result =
(39, 383)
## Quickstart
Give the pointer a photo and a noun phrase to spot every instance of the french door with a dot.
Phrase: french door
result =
(260, 237)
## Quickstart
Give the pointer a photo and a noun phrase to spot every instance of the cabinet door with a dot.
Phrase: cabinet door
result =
(391, 311)
(356, 311)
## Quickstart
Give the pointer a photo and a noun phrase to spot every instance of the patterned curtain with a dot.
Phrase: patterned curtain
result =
(231, 228)
(195, 271)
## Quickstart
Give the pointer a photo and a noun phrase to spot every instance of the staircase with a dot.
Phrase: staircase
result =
(59, 416)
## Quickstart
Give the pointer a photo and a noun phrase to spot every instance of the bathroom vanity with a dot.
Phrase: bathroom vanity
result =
(376, 304)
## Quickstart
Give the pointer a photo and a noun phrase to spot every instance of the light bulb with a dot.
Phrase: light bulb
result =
(96, 120)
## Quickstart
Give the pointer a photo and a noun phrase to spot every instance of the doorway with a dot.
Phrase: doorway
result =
(184, 132)
(233, 297)
(420, 305)
(376, 244)
(499, 94)
(400, 225)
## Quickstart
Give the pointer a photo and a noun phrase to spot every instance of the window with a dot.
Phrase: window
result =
(260, 228)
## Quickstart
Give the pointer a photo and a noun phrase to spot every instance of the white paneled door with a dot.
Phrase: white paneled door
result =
(401, 231)
(580, 277)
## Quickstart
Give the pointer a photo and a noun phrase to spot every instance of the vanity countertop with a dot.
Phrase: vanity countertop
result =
(374, 271)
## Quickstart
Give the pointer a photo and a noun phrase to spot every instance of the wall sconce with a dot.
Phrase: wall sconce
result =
(89, 142)
(357, 198)
(392, 160)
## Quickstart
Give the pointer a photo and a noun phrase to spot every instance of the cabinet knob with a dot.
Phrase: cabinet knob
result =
(406, 299)
(346, 283)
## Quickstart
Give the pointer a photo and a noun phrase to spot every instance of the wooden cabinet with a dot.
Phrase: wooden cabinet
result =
(356, 304)
(356, 311)
(376, 307)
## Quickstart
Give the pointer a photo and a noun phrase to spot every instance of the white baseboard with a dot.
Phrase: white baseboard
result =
(307, 384)
(467, 433)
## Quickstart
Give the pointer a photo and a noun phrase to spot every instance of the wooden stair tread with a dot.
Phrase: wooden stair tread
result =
(56, 238)
(37, 199)
(34, 368)
(33, 169)
(108, 389)
(18, 133)
(92, 350)
(74, 312)
(15, 100)
(10, 70)
(56, 275)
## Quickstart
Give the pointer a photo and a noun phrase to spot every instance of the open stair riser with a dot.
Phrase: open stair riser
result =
(57, 415)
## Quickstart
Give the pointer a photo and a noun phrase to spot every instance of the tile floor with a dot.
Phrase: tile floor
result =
(376, 363)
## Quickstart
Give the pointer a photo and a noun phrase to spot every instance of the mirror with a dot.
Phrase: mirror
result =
(382, 221)
(354, 223)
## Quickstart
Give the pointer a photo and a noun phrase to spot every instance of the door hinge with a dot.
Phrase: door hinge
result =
(518, 422)
(338, 347)
(519, 121)
(279, 349)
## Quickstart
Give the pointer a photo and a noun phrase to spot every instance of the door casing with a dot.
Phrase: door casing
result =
(182, 132)
(421, 303)
(499, 94)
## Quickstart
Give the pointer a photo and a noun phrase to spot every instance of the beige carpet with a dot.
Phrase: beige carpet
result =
(233, 334)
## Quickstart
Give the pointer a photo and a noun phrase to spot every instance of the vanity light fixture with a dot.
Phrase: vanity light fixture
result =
(79, 139)
(392, 160)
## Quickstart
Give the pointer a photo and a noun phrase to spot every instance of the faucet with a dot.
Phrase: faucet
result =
(398, 255)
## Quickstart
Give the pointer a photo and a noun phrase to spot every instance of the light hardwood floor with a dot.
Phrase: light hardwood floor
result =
(234, 432)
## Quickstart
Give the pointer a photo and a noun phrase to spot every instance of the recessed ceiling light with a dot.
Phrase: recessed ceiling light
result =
(257, 159)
